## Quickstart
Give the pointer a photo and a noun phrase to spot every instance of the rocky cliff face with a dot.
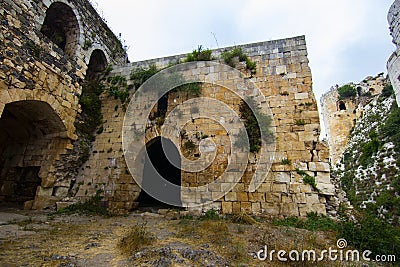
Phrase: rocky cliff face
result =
(369, 170)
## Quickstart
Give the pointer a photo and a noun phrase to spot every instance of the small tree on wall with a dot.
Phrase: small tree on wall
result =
(346, 91)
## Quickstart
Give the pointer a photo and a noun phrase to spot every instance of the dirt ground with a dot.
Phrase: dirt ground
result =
(29, 238)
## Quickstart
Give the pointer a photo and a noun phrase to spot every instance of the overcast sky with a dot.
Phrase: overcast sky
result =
(347, 40)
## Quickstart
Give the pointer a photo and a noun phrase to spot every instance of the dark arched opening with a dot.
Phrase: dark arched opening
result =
(61, 27)
(97, 65)
(29, 131)
(168, 166)
(342, 105)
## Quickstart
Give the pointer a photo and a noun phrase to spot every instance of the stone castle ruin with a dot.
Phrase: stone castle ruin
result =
(52, 51)
(340, 113)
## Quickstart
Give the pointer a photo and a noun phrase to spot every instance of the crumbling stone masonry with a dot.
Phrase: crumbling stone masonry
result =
(340, 114)
(45, 51)
(49, 47)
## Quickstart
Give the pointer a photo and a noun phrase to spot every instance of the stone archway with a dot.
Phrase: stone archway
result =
(97, 65)
(167, 166)
(61, 27)
(32, 136)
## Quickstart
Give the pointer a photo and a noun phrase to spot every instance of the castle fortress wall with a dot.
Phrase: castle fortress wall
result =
(284, 77)
(46, 48)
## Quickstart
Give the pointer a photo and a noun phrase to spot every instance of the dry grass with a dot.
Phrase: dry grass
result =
(136, 238)
(243, 218)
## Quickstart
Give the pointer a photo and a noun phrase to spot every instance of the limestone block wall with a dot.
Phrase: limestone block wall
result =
(284, 78)
(41, 74)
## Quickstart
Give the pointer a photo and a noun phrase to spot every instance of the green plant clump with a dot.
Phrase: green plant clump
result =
(371, 233)
(91, 108)
(200, 54)
(369, 149)
(192, 89)
(253, 127)
(210, 215)
(390, 128)
(189, 145)
(93, 206)
(307, 179)
(118, 88)
(387, 91)
(368, 233)
(347, 91)
(300, 122)
(142, 75)
(228, 57)
(286, 161)
(314, 222)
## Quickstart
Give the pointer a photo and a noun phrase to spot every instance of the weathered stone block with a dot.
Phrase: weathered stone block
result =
(272, 209)
(231, 196)
(319, 166)
(236, 207)
(312, 198)
(326, 189)
(227, 207)
(242, 196)
(289, 209)
(282, 177)
(245, 207)
(301, 96)
(273, 197)
(323, 177)
(256, 208)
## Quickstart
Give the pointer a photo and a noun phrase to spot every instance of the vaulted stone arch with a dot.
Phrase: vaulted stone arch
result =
(65, 113)
(61, 26)
(97, 65)
(32, 136)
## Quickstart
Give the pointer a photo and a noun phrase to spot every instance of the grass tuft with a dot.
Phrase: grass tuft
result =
(136, 238)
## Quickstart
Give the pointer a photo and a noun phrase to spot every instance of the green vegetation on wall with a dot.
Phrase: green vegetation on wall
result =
(200, 54)
(308, 179)
(347, 91)
(141, 75)
(253, 126)
(118, 88)
(91, 109)
(229, 56)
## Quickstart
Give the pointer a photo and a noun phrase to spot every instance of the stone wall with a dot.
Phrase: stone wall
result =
(48, 48)
(45, 51)
(393, 64)
(284, 78)
(340, 114)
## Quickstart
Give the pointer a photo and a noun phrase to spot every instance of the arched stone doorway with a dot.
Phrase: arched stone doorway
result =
(31, 135)
(61, 27)
(163, 159)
